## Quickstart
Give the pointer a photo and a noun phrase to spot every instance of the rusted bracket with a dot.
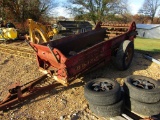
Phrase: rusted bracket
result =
(50, 48)
(17, 93)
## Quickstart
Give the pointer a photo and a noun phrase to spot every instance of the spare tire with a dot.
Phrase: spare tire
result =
(108, 110)
(142, 88)
(102, 91)
(145, 109)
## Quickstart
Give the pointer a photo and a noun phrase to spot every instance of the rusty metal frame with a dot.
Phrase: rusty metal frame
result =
(18, 93)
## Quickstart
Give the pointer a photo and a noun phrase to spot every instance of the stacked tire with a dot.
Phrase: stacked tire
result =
(104, 97)
(142, 95)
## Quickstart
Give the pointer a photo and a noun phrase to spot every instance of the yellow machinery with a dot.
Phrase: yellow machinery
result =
(8, 33)
(55, 30)
(51, 31)
(39, 33)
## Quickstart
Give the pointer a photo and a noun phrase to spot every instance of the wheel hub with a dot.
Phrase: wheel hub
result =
(102, 86)
(144, 84)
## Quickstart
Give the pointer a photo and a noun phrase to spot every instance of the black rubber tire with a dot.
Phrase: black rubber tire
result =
(141, 108)
(124, 55)
(102, 97)
(108, 110)
(139, 94)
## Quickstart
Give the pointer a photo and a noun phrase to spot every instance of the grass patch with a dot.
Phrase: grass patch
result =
(147, 45)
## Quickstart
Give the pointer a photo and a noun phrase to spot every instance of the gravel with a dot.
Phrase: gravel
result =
(64, 103)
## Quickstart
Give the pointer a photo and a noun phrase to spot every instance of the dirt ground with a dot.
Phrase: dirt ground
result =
(62, 103)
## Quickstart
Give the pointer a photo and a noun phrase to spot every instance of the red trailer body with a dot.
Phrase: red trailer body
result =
(68, 57)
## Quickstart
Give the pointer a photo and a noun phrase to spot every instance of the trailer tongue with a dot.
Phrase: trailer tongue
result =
(66, 58)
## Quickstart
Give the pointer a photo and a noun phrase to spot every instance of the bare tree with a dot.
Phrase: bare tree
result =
(20, 10)
(150, 8)
(122, 11)
(95, 10)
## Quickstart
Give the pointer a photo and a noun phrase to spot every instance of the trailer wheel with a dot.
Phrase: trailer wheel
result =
(124, 55)
(102, 91)
(109, 110)
(146, 109)
(142, 88)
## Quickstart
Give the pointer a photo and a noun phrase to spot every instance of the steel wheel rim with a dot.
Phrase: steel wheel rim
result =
(101, 86)
(143, 84)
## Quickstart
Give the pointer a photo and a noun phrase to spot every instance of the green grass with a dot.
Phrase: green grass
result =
(147, 45)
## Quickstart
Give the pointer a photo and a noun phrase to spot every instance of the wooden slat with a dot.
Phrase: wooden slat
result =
(111, 35)
(115, 32)
(107, 24)
(114, 27)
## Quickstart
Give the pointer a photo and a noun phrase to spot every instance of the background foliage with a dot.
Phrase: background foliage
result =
(90, 10)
